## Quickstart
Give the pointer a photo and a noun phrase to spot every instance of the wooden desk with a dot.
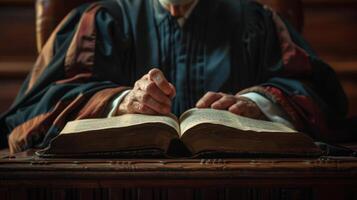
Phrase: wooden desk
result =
(28, 177)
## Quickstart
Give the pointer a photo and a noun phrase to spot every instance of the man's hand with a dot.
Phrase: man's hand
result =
(151, 94)
(236, 104)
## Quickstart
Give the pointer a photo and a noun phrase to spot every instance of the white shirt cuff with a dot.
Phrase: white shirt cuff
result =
(271, 110)
(116, 102)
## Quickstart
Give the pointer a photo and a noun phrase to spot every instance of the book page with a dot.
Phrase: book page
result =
(117, 122)
(196, 116)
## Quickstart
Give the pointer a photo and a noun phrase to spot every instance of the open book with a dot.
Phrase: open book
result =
(198, 132)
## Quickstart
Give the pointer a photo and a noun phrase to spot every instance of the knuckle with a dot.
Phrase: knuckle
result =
(136, 84)
(154, 72)
(210, 93)
(231, 96)
(145, 76)
(224, 95)
(218, 95)
(211, 96)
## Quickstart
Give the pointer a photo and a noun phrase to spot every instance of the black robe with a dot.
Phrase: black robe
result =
(229, 46)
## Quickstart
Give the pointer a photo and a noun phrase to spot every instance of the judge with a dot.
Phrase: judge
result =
(160, 56)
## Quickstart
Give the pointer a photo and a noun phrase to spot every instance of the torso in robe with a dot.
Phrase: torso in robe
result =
(209, 53)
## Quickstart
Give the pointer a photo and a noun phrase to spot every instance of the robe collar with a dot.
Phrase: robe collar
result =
(161, 13)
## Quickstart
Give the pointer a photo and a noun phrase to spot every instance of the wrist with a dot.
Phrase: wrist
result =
(116, 102)
(122, 108)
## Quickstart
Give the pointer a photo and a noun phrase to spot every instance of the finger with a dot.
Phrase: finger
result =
(14, 144)
(249, 108)
(246, 109)
(237, 108)
(225, 102)
(158, 77)
(158, 95)
(140, 108)
(151, 88)
(207, 100)
(173, 94)
(150, 102)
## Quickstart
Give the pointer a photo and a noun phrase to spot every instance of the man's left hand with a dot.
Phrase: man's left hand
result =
(236, 104)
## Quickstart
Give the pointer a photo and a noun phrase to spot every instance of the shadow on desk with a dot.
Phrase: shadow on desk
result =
(28, 177)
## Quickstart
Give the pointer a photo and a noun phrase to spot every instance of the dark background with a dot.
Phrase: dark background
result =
(330, 27)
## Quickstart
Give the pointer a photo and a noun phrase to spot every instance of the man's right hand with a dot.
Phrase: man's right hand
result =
(152, 94)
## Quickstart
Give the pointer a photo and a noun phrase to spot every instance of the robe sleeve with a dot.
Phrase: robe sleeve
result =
(66, 82)
(290, 74)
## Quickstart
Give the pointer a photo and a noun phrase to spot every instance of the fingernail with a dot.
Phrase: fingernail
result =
(158, 78)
